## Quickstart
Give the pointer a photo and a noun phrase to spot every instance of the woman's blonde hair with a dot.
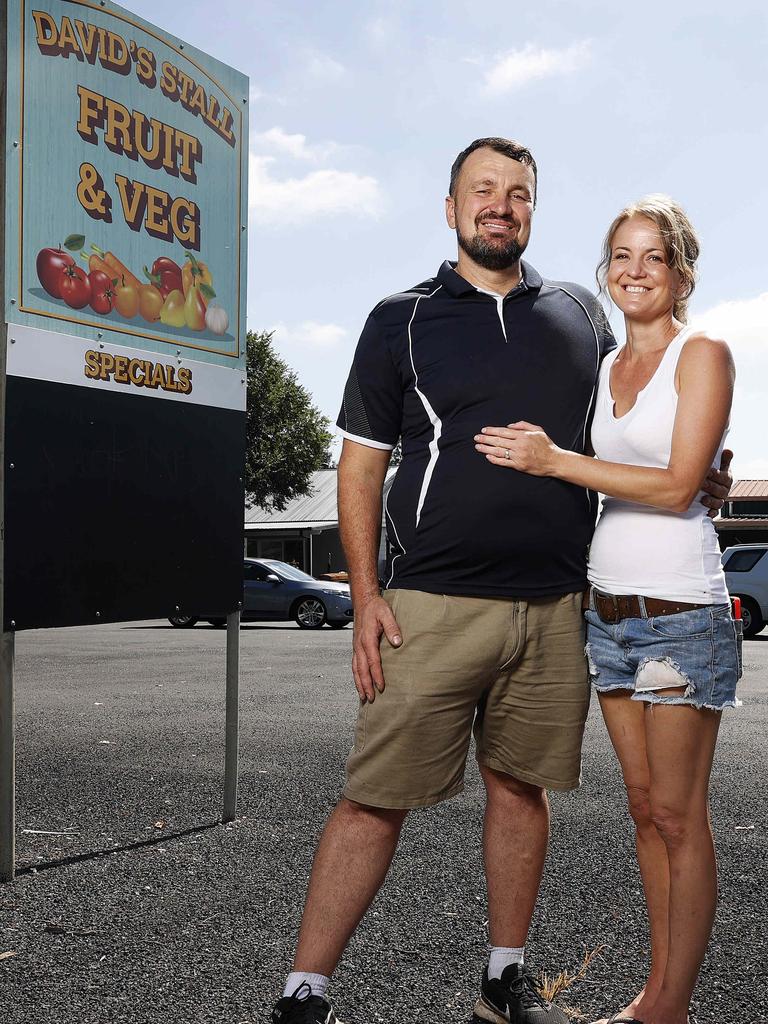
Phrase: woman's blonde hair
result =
(681, 246)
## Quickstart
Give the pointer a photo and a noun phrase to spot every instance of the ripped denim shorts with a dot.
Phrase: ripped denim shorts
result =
(698, 649)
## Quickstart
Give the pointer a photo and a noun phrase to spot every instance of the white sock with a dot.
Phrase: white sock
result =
(503, 956)
(317, 982)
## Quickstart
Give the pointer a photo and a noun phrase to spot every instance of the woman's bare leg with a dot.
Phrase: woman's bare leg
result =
(625, 720)
(680, 744)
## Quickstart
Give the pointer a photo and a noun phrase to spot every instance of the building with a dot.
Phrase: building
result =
(744, 519)
(306, 532)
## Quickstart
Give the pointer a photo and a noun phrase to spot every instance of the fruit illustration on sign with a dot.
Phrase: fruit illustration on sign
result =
(127, 299)
(102, 292)
(119, 269)
(74, 286)
(216, 319)
(195, 273)
(194, 310)
(51, 262)
(165, 275)
(172, 313)
(177, 296)
(150, 302)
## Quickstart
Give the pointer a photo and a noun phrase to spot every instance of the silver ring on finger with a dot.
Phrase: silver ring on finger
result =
(506, 453)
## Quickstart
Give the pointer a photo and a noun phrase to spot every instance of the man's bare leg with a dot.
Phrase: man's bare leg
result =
(351, 863)
(515, 838)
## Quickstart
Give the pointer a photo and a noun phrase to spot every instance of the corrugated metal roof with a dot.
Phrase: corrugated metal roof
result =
(745, 489)
(318, 508)
(310, 525)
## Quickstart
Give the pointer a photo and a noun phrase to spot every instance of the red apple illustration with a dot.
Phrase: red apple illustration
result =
(50, 264)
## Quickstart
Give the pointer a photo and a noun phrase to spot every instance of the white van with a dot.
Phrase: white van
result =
(746, 573)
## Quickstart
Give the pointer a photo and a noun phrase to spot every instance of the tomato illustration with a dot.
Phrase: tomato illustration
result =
(102, 292)
(74, 287)
(50, 263)
(126, 300)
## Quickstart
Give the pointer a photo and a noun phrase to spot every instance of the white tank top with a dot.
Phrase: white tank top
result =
(638, 549)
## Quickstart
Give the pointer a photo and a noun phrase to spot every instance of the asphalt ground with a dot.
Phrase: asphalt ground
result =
(147, 909)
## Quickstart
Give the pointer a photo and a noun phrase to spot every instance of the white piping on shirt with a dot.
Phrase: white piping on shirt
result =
(434, 452)
(437, 426)
(365, 440)
(397, 537)
(597, 360)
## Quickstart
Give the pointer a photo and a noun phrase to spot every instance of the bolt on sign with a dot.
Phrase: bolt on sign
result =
(125, 269)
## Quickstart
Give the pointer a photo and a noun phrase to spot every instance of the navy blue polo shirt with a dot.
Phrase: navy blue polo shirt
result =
(436, 363)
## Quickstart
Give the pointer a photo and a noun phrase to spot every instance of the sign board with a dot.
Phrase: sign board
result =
(125, 269)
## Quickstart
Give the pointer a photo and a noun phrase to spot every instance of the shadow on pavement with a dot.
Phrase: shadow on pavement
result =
(77, 858)
(220, 629)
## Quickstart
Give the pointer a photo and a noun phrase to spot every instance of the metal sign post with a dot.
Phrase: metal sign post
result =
(232, 729)
(7, 723)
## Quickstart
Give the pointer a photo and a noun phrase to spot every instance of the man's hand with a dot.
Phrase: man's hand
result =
(371, 620)
(717, 485)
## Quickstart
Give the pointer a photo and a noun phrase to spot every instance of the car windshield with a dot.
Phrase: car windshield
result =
(289, 571)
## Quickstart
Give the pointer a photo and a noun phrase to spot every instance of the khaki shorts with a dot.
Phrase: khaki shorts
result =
(512, 672)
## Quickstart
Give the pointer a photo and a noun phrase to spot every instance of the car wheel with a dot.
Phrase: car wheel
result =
(751, 619)
(182, 621)
(309, 613)
(218, 623)
(339, 625)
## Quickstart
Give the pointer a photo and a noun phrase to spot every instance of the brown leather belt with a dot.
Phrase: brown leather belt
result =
(615, 607)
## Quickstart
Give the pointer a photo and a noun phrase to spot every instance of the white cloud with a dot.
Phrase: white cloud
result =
(743, 324)
(320, 193)
(275, 140)
(254, 93)
(379, 31)
(309, 333)
(518, 67)
(321, 66)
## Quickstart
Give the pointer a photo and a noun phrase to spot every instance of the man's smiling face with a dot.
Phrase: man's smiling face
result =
(492, 208)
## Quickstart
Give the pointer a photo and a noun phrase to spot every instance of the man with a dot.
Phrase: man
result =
(481, 618)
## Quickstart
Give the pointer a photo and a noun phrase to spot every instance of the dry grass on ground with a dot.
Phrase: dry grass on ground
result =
(551, 986)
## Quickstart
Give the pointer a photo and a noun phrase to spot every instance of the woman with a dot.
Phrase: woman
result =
(661, 644)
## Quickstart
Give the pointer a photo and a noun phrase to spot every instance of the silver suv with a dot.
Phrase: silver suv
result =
(746, 573)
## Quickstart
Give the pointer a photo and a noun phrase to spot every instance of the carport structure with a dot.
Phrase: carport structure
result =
(744, 519)
(306, 532)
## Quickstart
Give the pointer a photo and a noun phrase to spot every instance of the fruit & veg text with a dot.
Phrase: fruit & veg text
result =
(135, 135)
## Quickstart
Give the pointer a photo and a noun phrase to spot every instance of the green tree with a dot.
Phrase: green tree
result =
(287, 437)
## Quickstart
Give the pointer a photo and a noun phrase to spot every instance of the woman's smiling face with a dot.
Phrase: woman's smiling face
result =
(640, 279)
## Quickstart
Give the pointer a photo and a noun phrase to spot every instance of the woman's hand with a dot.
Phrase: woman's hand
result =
(522, 446)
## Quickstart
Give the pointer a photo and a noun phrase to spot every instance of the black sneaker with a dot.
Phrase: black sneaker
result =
(514, 999)
(303, 1008)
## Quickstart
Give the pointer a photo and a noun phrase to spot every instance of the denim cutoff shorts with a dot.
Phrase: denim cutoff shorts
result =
(698, 649)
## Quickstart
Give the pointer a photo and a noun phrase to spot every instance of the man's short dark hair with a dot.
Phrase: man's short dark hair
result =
(507, 147)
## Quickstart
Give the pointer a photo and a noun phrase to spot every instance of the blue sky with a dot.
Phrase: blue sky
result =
(357, 110)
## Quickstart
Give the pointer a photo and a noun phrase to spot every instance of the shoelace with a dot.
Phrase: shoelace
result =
(524, 988)
(301, 1012)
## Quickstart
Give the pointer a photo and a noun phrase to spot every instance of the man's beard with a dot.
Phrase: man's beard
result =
(491, 255)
